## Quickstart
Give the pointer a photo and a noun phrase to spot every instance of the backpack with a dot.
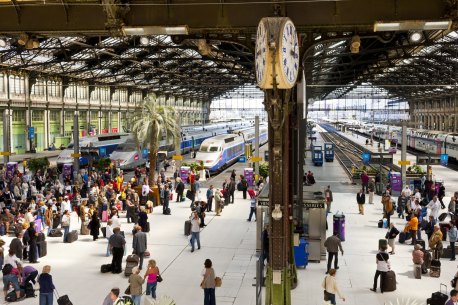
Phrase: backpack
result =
(7, 269)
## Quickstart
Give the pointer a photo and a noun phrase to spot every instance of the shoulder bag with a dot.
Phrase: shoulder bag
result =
(326, 294)
(218, 281)
(159, 278)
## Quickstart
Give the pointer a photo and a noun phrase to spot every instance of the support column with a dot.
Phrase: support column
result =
(99, 121)
(109, 120)
(46, 127)
(28, 113)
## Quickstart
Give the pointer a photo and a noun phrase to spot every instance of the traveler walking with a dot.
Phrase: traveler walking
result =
(208, 283)
(195, 230)
(452, 205)
(252, 209)
(135, 284)
(179, 189)
(94, 226)
(402, 203)
(117, 244)
(331, 288)
(412, 227)
(139, 244)
(371, 188)
(151, 273)
(66, 224)
(383, 266)
(361, 200)
(391, 236)
(46, 286)
(365, 182)
(329, 199)
(435, 207)
(244, 184)
(232, 189)
(452, 237)
(333, 244)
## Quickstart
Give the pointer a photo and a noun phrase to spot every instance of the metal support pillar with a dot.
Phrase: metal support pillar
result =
(76, 143)
(256, 144)
(6, 135)
(404, 155)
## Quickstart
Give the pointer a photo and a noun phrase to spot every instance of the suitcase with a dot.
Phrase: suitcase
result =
(55, 221)
(251, 193)
(444, 227)
(421, 242)
(147, 228)
(84, 230)
(104, 216)
(426, 260)
(55, 233)
(390, 281)
(438, 297)
(64, 300)
(72, 236)
(11, 296)
(187, 227)
(403, 236)
(382, 242)
(131, 262)
(417, 271)
(42, 248)
(104, 231)
(435, 269)
(105, 268)
(443, 216)
(380, 223)
(41, 237)
(167, 211)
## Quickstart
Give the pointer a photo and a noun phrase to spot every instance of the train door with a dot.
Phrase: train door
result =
(438, 147)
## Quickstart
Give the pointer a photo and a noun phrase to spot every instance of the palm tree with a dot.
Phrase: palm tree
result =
(149, 126)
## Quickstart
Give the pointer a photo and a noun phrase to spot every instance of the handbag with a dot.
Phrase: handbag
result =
(189, 194)
(218, 281)
(159, 278)
(326, 295)
(127, 290)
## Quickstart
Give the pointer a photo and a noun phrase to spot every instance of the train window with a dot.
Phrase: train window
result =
(204, 148)
(213, 149)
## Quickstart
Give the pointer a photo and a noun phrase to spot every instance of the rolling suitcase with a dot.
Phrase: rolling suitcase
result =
(187, 227)
(426, 261)
(382, 242)
(84, 229)
(421, 242)
(41, 237)
(380, 223)
(55, 233)
(105, 268)
(131, 262)
(42, 248)
(435, 269)
(147, 228)
(417, 270)
(64, 300)
(72, 236)
(438, 297)
(403, 237)
(389, 282)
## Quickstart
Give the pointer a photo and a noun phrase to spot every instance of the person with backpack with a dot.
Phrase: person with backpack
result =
(388, 208)
(10, 278)
(244, 184)
(331, 288)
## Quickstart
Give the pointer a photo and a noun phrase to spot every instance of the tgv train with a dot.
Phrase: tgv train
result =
(104, 143)
(128, 155)
(428, 141)
(218, 152)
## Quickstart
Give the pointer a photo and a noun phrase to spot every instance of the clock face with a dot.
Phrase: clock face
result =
(289, 54)
(261, 54)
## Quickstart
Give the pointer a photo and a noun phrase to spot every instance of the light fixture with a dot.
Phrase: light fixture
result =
(155, 30)
(355, 44)
(204, 48)
(276, 213)
(23, 38)
(144, 40)
(2, 42)
(384, 26)
(415, 36)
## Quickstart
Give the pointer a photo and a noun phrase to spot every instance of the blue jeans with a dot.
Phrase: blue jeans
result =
(151, 288)
(332, 298)
(108, 247)
(209, 296)
(66, 231)
(46, 298)
(137, 299)
(195, 236)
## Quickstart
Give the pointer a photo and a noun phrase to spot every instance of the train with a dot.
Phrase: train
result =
(427, 141)
(220, 151)
(128, 155)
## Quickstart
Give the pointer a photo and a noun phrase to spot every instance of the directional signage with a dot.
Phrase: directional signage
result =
(31, 133)
(76, 155)
(177, 157)
(5, 153)
(403, 162)
(366, 157)
(242, 159)
(256, 159)
(444, 159)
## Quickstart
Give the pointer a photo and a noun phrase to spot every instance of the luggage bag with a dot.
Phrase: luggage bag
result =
(131, 262)
(72, 236)
(42, 248)
(382, 242)
(435, 269)
(187, 227)
(105, 268)
(55, 233)
(390, 282)
(380, 223)
(417, 271)
(438, 297)
(421, 242)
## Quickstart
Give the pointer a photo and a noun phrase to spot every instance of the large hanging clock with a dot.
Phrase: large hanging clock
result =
(262, 56)
(288, 56)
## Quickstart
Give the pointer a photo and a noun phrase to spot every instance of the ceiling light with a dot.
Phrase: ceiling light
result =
(2, 42)
(156, 30)
(355, 44)
(23, 38)
(144, 40)
(382, 26)
(415, 37)
(35, 43)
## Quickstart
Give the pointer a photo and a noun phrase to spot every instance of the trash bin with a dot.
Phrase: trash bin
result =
(299, 253)
(339, 225)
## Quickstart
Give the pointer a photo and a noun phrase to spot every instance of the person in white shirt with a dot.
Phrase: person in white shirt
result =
(331, 288)
(435, 207)
(383, 266)
(11, 259)
(65, 206)
(407, 191)
(195, 230)
(109, 232)
(29, 216)
(115, 297)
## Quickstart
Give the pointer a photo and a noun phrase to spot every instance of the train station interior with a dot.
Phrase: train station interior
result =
(295, 96)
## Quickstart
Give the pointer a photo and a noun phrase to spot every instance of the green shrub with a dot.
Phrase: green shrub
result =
(38, 164)
(264, 169)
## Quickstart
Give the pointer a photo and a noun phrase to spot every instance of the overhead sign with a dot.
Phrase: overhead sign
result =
(313, 205)
(76, 155)
(5, 153)
(177, 157)
(403, 162)
(256, 159)
(242, 159)
(102, 151)
(31, 133)
(444, 159)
